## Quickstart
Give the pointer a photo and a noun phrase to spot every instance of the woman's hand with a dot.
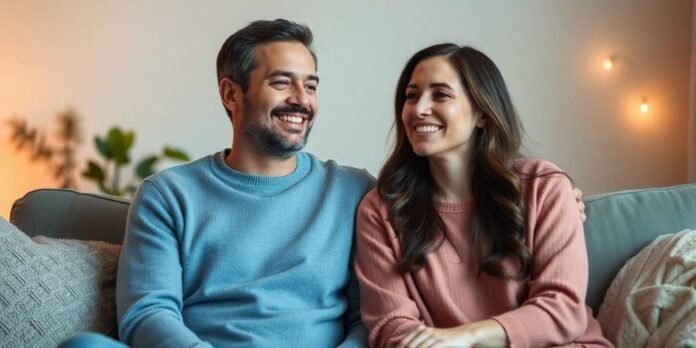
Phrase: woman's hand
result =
(486, 333)
(425, 336)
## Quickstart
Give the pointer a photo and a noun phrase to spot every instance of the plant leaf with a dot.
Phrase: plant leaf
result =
(69, 129)
(103, 147)
(94, 172)
(114, 134)
(175, 154)
(145, 167)
(113, 139)
(120, 143)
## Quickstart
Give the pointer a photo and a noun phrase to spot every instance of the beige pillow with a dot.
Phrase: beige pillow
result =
(51, 289)
(652, 301)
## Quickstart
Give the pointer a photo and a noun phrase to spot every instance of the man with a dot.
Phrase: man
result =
(250, 246)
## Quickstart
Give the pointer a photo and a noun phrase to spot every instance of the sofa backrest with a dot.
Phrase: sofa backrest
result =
(59, 213)
(619, 224)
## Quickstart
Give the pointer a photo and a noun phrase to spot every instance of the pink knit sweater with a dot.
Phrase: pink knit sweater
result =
(547, 310)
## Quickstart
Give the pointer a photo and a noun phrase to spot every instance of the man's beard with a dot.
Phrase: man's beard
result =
(274, 143)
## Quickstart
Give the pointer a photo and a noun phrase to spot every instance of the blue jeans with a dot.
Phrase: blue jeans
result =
(91, 340)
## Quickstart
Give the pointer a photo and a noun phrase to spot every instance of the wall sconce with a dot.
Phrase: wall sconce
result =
(644, 106)
(609, 63)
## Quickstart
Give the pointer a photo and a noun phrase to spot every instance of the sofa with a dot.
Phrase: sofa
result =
(619, 225)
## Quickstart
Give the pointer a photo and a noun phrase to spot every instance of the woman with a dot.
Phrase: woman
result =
(464, 242)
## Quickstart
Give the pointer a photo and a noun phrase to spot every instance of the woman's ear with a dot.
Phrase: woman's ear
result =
(481, 123)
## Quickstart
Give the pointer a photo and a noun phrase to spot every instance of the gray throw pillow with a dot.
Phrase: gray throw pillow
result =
(51, 289)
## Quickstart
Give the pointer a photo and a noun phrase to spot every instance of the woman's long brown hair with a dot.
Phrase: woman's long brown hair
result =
(406, 184)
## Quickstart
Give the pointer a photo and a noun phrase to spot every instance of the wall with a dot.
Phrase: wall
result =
(692, 133)
(150, 66)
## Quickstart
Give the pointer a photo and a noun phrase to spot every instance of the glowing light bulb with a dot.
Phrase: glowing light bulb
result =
(644, 106)
(608, 63)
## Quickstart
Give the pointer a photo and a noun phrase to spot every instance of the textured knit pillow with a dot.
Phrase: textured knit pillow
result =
(652, 301)
(51, 289)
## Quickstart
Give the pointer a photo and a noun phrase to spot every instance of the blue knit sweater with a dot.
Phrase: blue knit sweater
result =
(217, 257)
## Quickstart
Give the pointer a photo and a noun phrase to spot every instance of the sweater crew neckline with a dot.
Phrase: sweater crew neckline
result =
(449, 207)
(235, 177)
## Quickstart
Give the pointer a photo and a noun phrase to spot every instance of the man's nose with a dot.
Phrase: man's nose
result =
(299, 97)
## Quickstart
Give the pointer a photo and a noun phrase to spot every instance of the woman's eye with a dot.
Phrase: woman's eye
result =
(411, 96)
(442, 95)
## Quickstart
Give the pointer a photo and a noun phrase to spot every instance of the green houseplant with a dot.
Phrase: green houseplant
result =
(115, 149)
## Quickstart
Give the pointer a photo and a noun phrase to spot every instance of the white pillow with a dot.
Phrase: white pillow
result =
(51, 289)
(652, 301)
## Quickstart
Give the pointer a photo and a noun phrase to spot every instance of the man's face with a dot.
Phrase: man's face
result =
(278, 109)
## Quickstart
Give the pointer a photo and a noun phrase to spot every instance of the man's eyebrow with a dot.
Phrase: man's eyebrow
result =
(289, 74)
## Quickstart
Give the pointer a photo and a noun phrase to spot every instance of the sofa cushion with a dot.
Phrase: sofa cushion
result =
(652, 301)
(51, 289)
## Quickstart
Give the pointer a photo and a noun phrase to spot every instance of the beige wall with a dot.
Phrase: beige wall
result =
(18, 176)
(150, 66)
(692, 133)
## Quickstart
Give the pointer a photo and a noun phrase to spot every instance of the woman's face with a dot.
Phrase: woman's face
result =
(437, 116)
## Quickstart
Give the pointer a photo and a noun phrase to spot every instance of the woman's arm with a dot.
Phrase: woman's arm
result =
(554, 311)
(387, 310)
(484, 333)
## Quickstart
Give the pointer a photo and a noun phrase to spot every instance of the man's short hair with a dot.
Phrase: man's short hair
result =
(237, 57)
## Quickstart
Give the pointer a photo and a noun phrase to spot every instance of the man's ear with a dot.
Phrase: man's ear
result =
(230, 94)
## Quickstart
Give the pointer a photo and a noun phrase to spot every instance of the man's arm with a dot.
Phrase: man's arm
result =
(149, 286)
(356, 332)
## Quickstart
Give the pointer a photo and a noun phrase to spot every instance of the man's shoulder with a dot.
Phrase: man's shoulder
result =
(343, 172)
(182, 172)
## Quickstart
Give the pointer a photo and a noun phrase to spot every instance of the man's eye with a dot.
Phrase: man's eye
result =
(312, 88)
(280, 83)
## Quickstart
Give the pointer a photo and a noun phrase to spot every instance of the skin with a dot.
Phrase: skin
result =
(439, 122)
(272, 119)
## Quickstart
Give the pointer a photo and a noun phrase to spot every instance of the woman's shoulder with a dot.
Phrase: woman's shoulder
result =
(542, 176)
(373, 217)
(535, 166)
(373, 202)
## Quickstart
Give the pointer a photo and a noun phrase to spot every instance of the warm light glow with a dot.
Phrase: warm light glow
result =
(608, 63)
(633, 115)
(644, 106)
(23, 177)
